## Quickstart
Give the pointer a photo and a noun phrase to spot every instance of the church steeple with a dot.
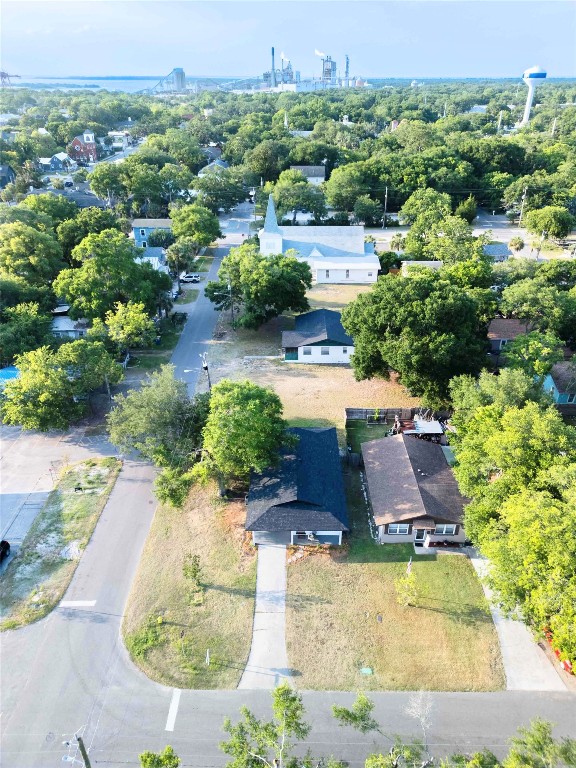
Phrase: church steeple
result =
(271, 222)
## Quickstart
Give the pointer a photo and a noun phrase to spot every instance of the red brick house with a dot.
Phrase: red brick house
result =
(83, 147)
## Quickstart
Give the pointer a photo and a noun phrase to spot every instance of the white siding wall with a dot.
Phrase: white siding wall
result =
(316, 180)
(335, 355)
(339, 275)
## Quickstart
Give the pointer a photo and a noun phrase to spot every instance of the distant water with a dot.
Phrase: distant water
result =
(128, 84)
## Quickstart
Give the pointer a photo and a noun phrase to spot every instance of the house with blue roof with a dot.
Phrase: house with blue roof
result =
(335, 254)
(302, 500)
(319, 338)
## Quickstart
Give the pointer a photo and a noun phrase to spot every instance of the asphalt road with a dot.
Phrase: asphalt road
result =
(70, 672)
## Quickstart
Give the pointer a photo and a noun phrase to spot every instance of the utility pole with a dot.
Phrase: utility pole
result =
(231, 304)
(553, 131)
(205, 368)
(83, 752)
(385, 208)
(522, 206)
(499, 121)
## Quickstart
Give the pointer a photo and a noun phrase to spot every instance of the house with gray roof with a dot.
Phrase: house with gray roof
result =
(497, 251)
(335, 254)
(319, 338)
(143, 228)
(7, 175)
(314, 174)
(561, 382)
(412, 491)
(302, 500)
(216, 166)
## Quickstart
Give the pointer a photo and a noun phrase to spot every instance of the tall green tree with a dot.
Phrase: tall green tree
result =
(534, 353)
(129, 325)
(165, 759)
(57, 207)
(244, 432)
(71, 232)
(23, 328)
(420, 326)
(27, 253)
(556, 221)
(197, 223)
(426, 202)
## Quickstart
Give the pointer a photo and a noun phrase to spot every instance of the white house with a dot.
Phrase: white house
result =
(315, 174)
(120, 139)
(318, 338)
(65, 328)
(335, 254)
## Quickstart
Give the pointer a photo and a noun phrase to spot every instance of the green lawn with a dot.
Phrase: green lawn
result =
(168, 625)
(38, 576)
(359, 432)
(342, 615)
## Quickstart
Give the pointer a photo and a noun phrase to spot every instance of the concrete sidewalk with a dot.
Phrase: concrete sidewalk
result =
(268, 661)
(526, 666)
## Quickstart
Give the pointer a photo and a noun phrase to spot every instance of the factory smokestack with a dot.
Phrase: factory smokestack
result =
(273, 72)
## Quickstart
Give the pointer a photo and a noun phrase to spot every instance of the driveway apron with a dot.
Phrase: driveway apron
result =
(267, 664)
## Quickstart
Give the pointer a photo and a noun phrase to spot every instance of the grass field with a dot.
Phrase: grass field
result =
(360, 432)
(169, 624)
(342, 615)
(38, 576)
(187, 296)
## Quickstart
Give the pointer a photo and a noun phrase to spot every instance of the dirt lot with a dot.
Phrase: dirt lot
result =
(312, 395)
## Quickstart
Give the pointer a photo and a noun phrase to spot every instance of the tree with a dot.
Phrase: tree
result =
(26, 253)
(263, 287)
(420, 326)
(176, 181)
(160, 421)
(181, 255)
(428, 202)
(244, 431)
(535, 746)
(36, 219)
(165, 759)
(466, 210)
(345, 186)
(52, 389)
(197, 223)
(109, 273)
(160, 238)
(255, 742)
(556, 221)
(57, 207)
(23, 328)
(130, 326)
(71, 232)
(107, 181)
(516, 244)
(368, 211)
(359, 716)
(294, 193)
(267, 159)
(222, 190)
(541, 307)
(534, 353)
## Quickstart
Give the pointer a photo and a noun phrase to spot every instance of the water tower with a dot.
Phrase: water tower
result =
(531, 77)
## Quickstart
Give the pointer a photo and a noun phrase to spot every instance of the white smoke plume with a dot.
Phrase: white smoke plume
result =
(319, 53)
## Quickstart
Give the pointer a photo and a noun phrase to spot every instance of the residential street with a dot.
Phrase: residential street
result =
(70, 671)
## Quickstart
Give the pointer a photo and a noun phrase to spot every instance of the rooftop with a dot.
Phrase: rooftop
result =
(410, 478)
(318, 171)
(564, 376)
(305, 492)
(152, 223)
(505, 328)
(313, 327)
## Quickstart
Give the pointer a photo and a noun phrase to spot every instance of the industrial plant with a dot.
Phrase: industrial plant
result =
(286, 78)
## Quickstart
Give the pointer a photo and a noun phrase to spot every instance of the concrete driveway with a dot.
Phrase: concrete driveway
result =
(268, 661)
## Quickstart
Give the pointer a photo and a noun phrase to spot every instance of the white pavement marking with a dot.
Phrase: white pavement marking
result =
(77, 603)
(173, 711)
(526, 666)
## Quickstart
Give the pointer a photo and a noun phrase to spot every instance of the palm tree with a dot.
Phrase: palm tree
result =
(397, 242)
(516, 244)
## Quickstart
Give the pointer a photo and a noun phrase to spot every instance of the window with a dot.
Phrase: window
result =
(307, 350)
(142, 233)
(445, 530)
(369, 274)
(144, 244)
(347, 273)
(399, 529)
(572, 398)
(327, 273)
(345, 350)
(324, 350)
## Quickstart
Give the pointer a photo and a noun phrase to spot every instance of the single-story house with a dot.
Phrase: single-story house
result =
(318, 337)
(502, 330)
(561, 382)
(406, 265)
(497, 251)
(315, 174)
(156, 257)
(141, 229)
(216, 166)
(66, 328)
(412, 491)
(302, 501)
(335, 254)
(7, 176)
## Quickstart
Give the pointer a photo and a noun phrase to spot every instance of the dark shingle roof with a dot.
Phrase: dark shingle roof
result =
(316, 326)
(305, 492)
(409, 479)
(505, 328)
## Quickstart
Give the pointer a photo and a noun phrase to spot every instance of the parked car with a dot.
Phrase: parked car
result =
(189, 277)
(4, 549)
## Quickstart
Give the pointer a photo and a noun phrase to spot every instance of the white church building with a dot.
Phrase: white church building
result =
(335, 254)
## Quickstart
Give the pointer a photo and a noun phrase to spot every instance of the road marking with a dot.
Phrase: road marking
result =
(173, 711)
(77, 603)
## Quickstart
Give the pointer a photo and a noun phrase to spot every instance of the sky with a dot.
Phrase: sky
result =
(401, 38)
